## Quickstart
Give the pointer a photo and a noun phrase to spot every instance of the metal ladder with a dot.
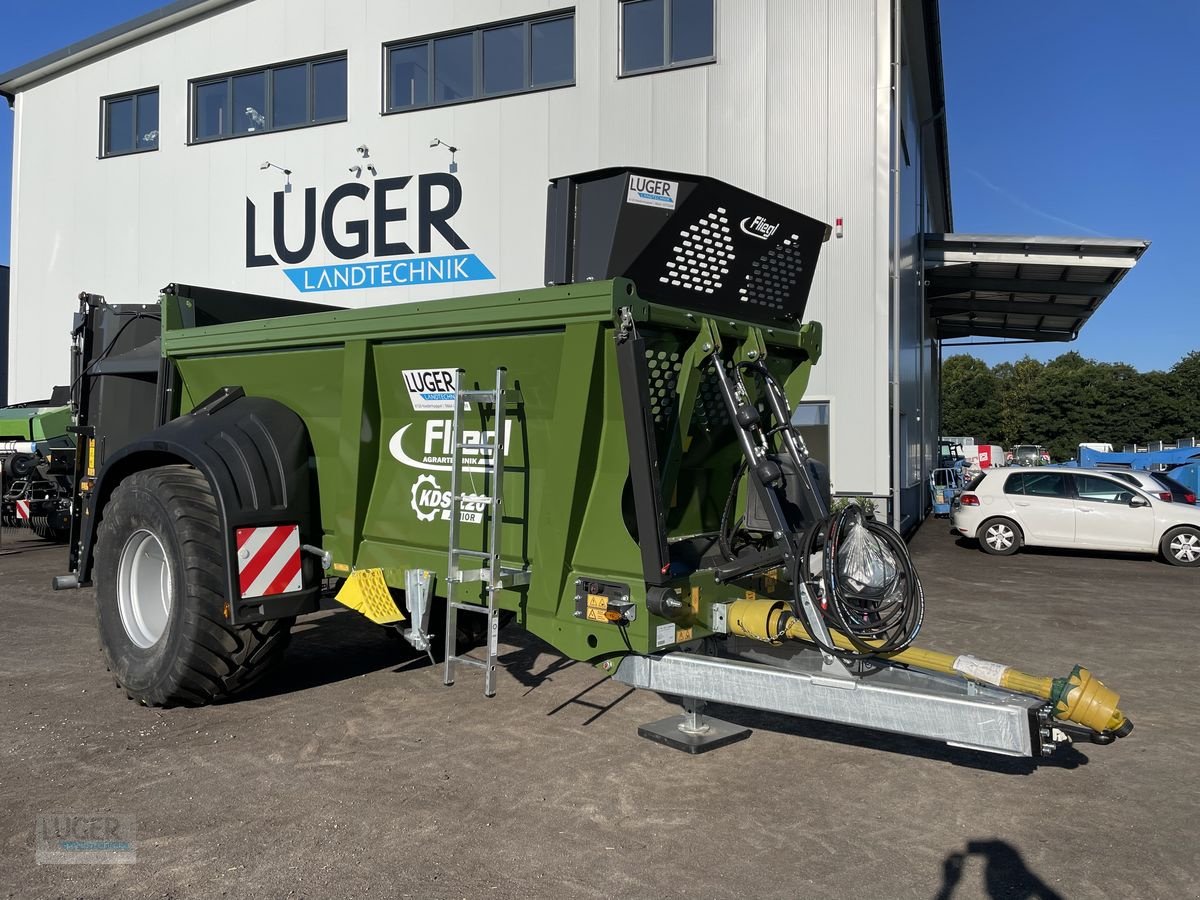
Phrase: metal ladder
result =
(480, 565)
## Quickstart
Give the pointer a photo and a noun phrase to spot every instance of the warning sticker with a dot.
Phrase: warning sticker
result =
(664, 635)
(980, 669)
(683, 634)
(597, 601)
(596, 615)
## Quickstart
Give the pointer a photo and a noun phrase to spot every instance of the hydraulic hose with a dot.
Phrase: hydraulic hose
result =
(873, 596)
(873, 619)
(1079, 698)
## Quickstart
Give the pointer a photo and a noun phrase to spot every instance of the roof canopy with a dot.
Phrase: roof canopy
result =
(1010, 287)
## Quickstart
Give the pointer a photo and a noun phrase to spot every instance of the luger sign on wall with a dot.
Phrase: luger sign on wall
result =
(377, 257)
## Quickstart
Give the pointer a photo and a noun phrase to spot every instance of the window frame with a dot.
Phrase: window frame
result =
(1120, 485)
(309, 62)
(1068, 483)
(477, 77)
(667, 65)
(135, 95)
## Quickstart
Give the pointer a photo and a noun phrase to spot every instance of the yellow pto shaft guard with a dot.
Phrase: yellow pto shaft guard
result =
(1079, 698)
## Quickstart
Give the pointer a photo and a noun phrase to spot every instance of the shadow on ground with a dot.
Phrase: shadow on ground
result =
(1005, 874)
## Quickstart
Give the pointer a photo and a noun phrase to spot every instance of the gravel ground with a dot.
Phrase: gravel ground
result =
(355, 773)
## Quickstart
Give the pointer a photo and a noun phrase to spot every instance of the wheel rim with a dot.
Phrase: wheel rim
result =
(144, 588)
(1186, 547)
(1000, 537)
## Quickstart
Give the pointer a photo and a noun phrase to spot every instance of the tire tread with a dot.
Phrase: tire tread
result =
(217, 659)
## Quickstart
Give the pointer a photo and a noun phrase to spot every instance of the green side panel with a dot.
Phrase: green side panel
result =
(382, 438)
(37, 423)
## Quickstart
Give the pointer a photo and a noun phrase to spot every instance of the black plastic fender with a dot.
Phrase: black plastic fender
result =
(257, 458)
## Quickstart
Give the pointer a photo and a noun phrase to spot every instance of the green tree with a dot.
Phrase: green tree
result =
(969, 400)
(1018, 384)
(1183, 385)
(1070, 400)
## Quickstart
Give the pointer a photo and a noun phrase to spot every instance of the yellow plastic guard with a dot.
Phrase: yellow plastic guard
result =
(366, 591)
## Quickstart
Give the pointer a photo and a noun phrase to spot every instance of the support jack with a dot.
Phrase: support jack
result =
(693, 732)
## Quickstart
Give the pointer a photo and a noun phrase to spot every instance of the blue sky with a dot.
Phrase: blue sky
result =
(1084, 118)
(1065, 118)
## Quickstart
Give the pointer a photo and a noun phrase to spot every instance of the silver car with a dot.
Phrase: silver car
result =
(1156, 484)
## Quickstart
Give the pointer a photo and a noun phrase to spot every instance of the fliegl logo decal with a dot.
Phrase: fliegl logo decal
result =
(359, 220)
(757, 226)
(434, 453)
(431, 503)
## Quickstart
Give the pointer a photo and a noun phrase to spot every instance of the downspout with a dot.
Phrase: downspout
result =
(897, 111)
(922, 194)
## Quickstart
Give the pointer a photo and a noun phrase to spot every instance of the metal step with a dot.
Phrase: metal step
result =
(470, 607)
(508, 578)
(474, 554)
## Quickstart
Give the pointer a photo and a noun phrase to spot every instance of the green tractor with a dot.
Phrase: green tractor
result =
(37, 462)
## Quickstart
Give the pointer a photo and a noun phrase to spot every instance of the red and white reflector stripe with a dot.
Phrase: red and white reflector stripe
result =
(268, 560)
(23, 510)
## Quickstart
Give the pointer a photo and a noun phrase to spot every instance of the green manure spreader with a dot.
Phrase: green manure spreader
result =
(608, 462)
(37, 456)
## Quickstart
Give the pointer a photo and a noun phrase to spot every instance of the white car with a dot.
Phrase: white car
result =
(1091, 509)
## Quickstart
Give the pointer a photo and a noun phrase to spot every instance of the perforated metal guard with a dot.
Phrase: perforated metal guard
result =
(663, 368)
(703, 255)
(703, 245)
(710, 413)
(773, 277)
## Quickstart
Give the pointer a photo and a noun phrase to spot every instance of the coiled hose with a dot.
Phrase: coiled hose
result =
(879, 616)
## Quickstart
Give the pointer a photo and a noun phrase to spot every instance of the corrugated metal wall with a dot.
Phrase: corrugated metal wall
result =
(795, 108)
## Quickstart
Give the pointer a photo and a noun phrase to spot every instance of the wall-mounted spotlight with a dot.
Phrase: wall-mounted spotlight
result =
(362, 151)
(356, 171)
(438, 142)
(287, 174)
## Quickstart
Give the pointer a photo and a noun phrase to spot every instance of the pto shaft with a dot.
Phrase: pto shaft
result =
(1079, 698)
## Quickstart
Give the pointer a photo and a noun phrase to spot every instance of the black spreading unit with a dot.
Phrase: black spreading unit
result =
(685, 240)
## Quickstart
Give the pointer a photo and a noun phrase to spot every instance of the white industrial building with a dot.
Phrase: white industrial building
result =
(379, 151)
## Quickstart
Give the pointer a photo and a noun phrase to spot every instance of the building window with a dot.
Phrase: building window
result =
(665, 34)
(292, 95)
(129, 123)
(490, 61)
(811, 419)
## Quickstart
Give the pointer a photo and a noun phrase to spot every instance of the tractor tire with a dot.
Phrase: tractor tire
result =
(42, 528)
(160, 595)
(1181, 546)
(999, 537)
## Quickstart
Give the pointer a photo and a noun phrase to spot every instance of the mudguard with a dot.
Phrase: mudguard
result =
(256, 455)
